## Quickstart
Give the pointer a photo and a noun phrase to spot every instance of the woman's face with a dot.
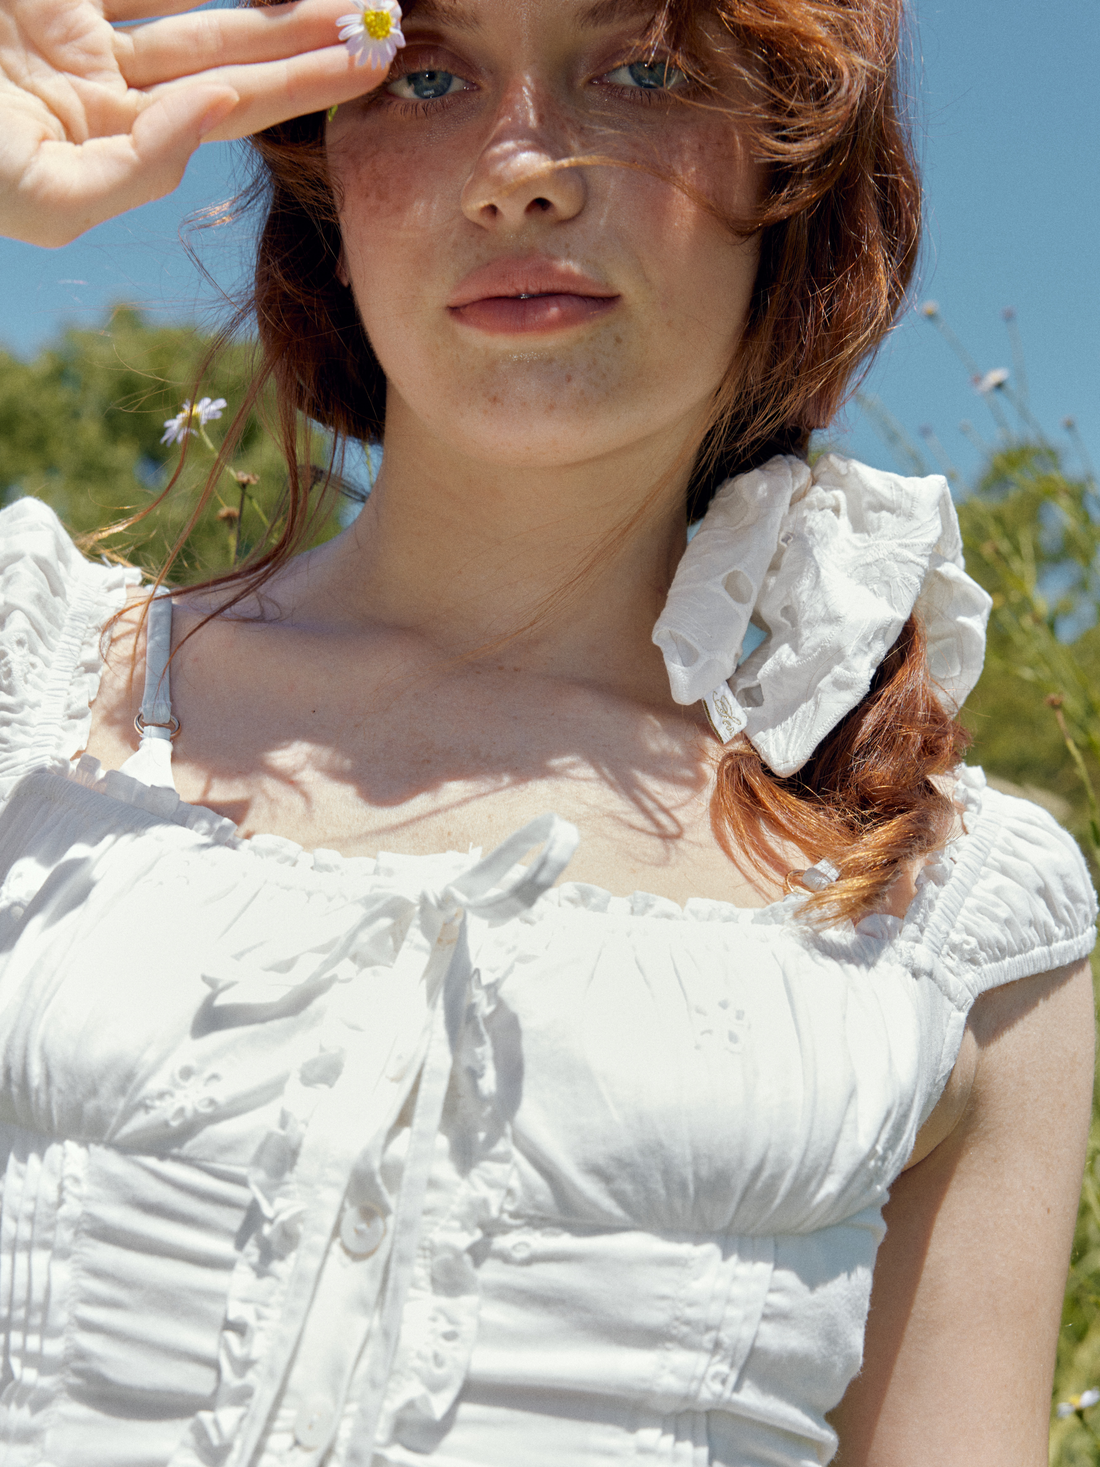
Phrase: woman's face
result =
(525, 313)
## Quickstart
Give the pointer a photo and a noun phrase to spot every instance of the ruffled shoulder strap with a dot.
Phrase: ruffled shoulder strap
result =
(1019, 901)
(53, 605)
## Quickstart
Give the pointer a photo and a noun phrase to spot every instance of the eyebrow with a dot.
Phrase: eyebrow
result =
(456, 16)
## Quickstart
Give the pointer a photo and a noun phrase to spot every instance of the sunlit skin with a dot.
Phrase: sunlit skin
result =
(414, 685)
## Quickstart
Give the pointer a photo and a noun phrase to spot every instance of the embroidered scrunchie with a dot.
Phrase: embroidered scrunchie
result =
(828, 562)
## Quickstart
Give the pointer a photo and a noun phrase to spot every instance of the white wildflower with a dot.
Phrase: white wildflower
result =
(1079, 1403)
(372, 33)
(993, 379)
(930, 309)
(190, 419)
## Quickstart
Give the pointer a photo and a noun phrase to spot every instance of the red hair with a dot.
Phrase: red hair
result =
(839, 224)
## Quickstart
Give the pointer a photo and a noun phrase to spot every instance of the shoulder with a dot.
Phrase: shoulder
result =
(1017, 897)
(53, 605)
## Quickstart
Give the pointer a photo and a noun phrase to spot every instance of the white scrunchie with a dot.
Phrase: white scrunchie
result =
(829, 562)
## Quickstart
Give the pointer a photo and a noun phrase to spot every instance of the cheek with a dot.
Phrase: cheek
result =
(387, 198)
(702, 272)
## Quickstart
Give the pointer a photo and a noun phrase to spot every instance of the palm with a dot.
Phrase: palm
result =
(96, 119)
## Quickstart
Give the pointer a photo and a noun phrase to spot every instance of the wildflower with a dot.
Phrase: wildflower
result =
(372, 33)
(1009, 313)
(228, 514)
(1077, 1404)
(997, 377)
(930, 309)
(1069, 424)
(189, 419)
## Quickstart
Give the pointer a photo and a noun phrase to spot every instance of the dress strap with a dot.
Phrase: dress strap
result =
(155, 722)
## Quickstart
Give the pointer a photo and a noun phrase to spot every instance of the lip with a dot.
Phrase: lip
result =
(521, 296)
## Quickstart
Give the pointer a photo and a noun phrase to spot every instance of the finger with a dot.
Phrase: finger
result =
(187, 44)
(70, 187)
(127, 10)
(274, 91)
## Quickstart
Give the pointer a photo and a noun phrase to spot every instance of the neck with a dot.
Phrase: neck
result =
(567, 567)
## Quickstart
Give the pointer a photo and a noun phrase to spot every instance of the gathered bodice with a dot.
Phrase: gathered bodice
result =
(371, 1160)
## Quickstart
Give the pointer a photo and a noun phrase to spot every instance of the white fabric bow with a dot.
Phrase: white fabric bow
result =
(829, 562)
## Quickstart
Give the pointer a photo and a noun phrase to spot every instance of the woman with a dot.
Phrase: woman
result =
(323, 1146)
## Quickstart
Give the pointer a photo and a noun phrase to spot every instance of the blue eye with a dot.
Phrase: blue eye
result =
(426, 86)
(649, 75)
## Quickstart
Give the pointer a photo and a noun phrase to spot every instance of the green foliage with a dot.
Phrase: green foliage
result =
(80, 427)
(1032, 537)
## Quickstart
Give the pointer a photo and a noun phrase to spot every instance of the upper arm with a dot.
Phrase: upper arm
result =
(968, 1285)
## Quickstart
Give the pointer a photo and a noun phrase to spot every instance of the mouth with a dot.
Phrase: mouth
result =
(523, 297)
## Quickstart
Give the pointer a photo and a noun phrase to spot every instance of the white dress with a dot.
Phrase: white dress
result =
(297, 1158)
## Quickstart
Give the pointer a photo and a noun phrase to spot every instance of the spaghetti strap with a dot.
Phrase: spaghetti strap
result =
(155, 719)
(156, 723)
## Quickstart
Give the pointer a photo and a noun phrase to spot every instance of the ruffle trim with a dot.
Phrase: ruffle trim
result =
(927, 932)
(440, 1319)
(257, 1293)
(54, 605)
(156, 800)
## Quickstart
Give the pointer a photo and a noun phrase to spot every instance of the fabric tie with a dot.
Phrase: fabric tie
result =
(478, 890)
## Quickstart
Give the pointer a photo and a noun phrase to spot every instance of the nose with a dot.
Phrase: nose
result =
(523, 172)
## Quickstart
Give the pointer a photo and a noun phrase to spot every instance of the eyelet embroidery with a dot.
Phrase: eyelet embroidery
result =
(192, 1094)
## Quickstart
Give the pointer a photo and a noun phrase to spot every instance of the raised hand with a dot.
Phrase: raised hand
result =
(95, 120)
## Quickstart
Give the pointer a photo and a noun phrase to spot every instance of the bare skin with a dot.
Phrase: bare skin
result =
(407, 688)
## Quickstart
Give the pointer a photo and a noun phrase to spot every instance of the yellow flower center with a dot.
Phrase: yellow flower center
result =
(377, 24)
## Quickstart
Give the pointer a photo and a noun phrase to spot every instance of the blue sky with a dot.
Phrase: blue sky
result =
(1008, 124)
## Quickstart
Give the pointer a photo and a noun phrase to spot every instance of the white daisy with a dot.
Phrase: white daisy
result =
(189, 419)
(991, 381)
(372, 33)
(1082, 1402)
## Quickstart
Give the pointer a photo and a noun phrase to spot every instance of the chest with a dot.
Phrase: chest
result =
(371, 746)
(161, 995)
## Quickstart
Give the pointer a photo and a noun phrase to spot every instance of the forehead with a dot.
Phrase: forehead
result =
(475, 15)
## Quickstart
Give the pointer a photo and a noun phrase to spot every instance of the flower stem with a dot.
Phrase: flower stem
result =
(1055, 702)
